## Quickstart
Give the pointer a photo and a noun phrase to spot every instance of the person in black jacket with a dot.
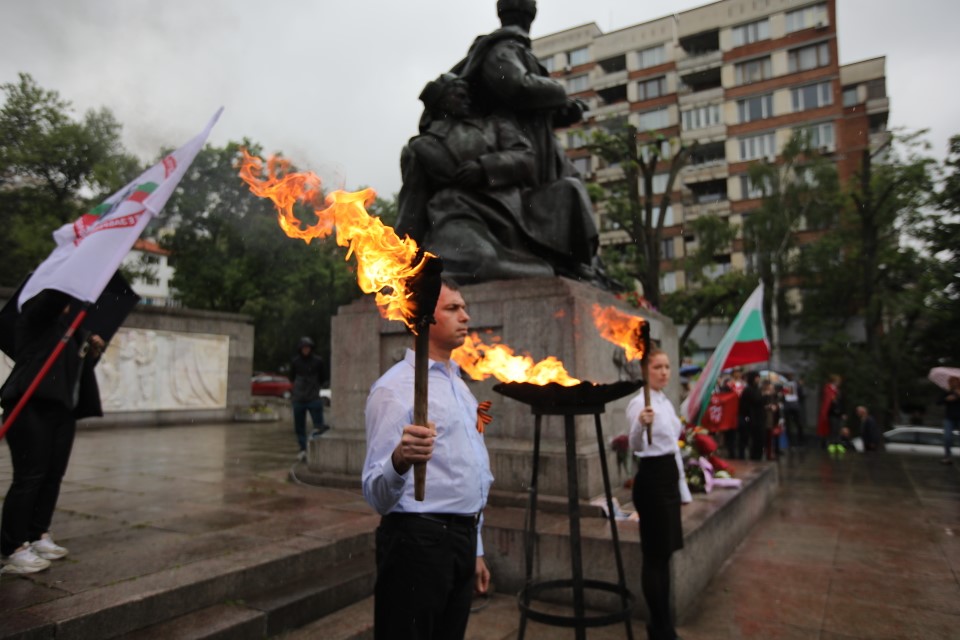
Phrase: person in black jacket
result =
(752, 418)
(41, 438)
(306, 374)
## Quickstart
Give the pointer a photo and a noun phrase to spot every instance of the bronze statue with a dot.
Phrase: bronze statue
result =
(528, 207)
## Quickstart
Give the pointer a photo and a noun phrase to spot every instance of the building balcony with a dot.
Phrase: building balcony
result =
(687, 97)
(712, 133)
(712, 170)
(609, 174)
(719, 208)
(878, 105)
(606, 80)
(608, 110)
(698, 62)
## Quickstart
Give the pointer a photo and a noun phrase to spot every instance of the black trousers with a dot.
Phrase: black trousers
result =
(40, 442)
(425, 578)
(656, 495)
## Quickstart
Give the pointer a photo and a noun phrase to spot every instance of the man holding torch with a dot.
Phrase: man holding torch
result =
(429, 552)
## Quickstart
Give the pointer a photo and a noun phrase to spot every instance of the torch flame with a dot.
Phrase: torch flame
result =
(481, 361)
(622, 329)
(384, 261)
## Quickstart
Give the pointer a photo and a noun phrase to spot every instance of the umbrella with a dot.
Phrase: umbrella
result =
(940, 376)
(688, 370)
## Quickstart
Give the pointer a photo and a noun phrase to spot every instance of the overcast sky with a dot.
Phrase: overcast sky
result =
(333, 84)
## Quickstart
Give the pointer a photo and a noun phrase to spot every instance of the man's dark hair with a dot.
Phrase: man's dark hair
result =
(450, 283)
(752, 376)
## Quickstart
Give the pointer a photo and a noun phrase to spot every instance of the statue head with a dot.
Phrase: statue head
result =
(517, 12)
(447, 94)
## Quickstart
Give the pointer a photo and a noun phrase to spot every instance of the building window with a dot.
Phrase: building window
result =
(659, 184)
(753, 32)
(651, 88)
(850, 97)
(720, 266)
(663, 150)
(754, 70)
(582, 165)
(652, 57)
(668, 282)
(548, 64)
(876, 89)
(815, 16)
(666, 249)
(701, 117)
(761, 146)
(750, 190)
(577, 84)
(820, 136)
(578, 56)
(755, 108)
(575, 139)
(812, 96)
(656, 119)
(806, 58)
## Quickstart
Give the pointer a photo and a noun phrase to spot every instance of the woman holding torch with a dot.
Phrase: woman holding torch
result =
(657, 490)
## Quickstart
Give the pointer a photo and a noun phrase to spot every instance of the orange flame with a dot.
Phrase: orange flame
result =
(384, 261)
(622, 329)
(481, 361)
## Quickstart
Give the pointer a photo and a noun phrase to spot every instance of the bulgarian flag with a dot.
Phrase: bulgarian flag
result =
(90, 249)
(745, 342)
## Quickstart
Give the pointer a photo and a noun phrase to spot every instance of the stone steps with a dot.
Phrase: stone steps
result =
(249, 594)
(354, 622)
(276, 611)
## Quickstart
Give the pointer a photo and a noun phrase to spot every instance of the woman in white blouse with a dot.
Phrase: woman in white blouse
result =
(657, 491)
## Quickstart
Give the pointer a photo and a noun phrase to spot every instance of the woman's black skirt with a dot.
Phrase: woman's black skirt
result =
(656, 496)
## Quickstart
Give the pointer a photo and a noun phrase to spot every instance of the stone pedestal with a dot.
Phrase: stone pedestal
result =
(538, 316)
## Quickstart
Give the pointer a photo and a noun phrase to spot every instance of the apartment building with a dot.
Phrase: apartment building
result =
(736, 76)
(152, 262)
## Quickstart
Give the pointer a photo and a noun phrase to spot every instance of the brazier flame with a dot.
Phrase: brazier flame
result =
(480, 361)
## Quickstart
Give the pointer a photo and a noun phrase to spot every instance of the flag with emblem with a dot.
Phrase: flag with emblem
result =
(90, 249)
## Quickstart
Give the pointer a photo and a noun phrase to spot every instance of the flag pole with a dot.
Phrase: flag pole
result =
(9, 420)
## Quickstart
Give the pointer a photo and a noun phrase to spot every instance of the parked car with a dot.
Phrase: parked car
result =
(271, 384)
(909, 439)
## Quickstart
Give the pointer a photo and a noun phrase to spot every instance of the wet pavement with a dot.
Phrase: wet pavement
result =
(853, 547)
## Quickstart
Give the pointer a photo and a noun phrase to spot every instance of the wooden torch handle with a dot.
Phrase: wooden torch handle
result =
(421, 367)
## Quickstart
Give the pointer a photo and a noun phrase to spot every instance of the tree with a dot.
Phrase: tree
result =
(231, 255)
(800, 193)
(52, 168)
(866, 289)
(638, 212)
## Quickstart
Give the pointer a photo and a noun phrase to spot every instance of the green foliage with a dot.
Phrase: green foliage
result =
(52, 168)
(868, 287)
(231, 255)
(641, 217)
(801, 193)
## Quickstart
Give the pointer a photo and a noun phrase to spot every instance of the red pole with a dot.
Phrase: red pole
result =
(43, 372)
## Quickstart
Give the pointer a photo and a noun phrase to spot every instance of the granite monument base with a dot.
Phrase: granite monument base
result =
(538, 316)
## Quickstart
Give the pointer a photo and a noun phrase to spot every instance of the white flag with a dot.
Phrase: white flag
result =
(90, 250)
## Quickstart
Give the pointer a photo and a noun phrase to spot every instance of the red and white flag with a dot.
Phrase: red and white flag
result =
(90, 249)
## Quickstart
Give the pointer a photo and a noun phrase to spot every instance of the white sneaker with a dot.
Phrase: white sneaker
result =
(47, 549)
(24, 560)
(302, 456)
